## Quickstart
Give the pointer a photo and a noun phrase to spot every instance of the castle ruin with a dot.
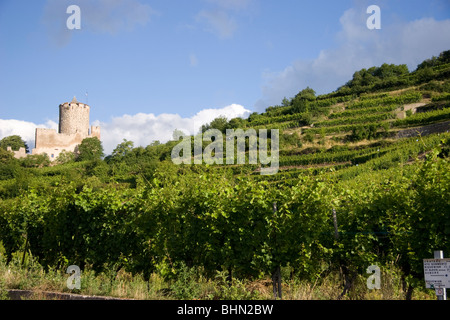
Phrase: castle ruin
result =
(73, 128)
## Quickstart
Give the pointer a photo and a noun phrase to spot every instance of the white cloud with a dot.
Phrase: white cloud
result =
(143, 128)
(25, 129)
(97, 16)
(220, 16)
(358, 47)
(140, 128)
(231, 4)
(218, 22)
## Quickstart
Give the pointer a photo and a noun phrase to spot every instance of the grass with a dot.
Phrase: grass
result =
(191, 285)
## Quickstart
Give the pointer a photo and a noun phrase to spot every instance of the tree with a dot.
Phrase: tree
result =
(90, 149)
(155, 143)
(385, 76)
(390, 70)
(236, 123)
(254, 116)
(5, 156)
(15, 142)
(65, 157)
(220, 123)
(306, 94)
(8, 165)
(300, 106)
(177, 134)
(36, 161)
(425, 74)
(286, 102)
(444, 57)
(302, 100)
(123, 148)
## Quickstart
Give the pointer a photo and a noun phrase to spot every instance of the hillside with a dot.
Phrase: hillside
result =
(360, 124)
(375, 152)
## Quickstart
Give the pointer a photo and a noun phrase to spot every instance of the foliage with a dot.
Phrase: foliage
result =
(236, 123)
(220, 123)
(65, 157)
(409, 97)
(444, 58)
(371, 118)
(122, 149)
(212, 221)
(366, 132)
(290, 139)
(424, 118)
(15, 142)
(359, 112)
(442, 97)
(8, 165)
(300, 103)
(137, 212)
(35, 161)
(90, 149)
(378, 77)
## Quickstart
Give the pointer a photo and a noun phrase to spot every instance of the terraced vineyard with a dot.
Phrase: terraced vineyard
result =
(375, 152)
(360, 130)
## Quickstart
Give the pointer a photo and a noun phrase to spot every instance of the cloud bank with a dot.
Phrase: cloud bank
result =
(140, 128)
(143, 128)
(25, 129)
(357, 47)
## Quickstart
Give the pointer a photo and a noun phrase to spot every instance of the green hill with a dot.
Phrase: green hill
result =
(375, 152)
(363, 122)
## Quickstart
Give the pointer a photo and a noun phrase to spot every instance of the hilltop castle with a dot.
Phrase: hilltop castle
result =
(73, 128)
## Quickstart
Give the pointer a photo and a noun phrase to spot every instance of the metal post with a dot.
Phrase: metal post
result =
(276, 276)
(336, 233)
(439, 254)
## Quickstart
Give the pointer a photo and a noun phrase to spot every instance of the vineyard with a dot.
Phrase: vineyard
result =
(137, 211)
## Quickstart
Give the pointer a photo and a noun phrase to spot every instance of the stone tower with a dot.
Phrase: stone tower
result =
(74, 118)
(73, 128)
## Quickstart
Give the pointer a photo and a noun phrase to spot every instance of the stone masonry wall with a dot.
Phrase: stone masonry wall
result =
(21, 153)
(73, 118)
(425, 130)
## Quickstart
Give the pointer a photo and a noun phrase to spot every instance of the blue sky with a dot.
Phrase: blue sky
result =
(152, 65)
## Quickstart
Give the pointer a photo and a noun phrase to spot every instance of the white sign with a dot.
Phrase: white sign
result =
(437, 273)
(440, 292)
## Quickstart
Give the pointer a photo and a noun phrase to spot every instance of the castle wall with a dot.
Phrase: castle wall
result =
(53, 152)
(46, 138)
(95, 131)
(73, 129)
(18, 154)
(52, 143)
